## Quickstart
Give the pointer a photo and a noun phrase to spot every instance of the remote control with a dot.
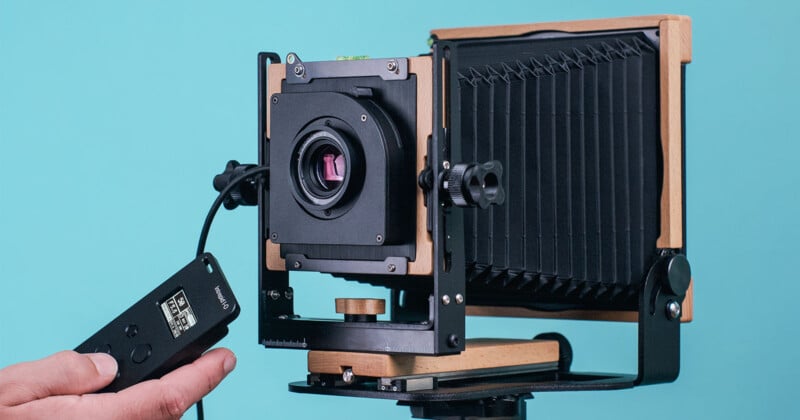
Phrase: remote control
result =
(171, 326)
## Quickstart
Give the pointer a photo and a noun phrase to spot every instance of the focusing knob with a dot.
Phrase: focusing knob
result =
(475, 184)
(245, 194)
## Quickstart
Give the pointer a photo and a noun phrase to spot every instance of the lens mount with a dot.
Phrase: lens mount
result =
(324, 170)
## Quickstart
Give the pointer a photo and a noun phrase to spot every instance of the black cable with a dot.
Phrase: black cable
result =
(199, 406)
(201, 244)
(218, 202)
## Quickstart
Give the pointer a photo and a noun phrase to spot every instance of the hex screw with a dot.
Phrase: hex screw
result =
(391, 268)
(274, 236)
(297, 264)
(274, 100)
(391, 65)
(363, 117)
(299, 70)
(446, 164)
(274, 294)
(446, 299)
(673, 309)
(459, 298)
(379, 238)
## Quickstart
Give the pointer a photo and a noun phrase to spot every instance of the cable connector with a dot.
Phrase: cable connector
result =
(245, 193)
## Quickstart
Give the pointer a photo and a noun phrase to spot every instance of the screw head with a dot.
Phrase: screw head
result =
(673, 309)
(446, 299)
(348, 376)
(459, 298)
(274, 294)
(453, 340)
(391, 65)
(363, 117)
(297, 264)
(289, 295)
(379, 238)
(446, 164)
(274, 236)
(299, 70)
(392, 268)
(274, 99)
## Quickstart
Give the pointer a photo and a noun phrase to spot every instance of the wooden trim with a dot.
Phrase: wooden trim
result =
(276, 73)
(632, 22)
(479, 354)
(422, 67)
(671, 56)
(687, 307)
(687, 312)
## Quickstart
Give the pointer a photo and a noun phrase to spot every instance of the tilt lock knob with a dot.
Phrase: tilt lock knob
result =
(475, 184)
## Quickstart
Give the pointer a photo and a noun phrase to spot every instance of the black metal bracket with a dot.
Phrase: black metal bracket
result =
(387, 69)
(660, 300)
(267, 281)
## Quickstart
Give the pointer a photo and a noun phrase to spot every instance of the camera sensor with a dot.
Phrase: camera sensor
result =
(322, 168)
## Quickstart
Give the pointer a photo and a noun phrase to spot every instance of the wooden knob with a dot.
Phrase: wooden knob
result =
(353, 306)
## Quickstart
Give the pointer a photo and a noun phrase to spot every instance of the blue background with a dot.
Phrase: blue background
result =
(114, 117)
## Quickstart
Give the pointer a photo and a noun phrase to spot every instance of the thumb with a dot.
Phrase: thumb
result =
(64, 373)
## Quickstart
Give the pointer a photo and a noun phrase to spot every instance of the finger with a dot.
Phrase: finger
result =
(63, 373)
(165, 398)
(176, 391)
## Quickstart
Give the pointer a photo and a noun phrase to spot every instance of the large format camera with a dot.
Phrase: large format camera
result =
(527, 170)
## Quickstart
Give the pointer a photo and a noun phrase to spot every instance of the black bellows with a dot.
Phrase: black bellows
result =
(575, 122)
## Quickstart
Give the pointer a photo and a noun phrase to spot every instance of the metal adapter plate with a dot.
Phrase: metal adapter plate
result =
(298, 72)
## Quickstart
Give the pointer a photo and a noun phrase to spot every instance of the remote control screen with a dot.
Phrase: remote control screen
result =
(178, 313)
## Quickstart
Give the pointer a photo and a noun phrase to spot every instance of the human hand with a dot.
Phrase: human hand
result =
(60, 386)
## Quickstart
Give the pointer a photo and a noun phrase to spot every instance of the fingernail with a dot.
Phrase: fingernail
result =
(229, 364)
(106, 364)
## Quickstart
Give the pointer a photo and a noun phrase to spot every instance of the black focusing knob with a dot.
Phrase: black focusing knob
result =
(245, 194)
(475, 184)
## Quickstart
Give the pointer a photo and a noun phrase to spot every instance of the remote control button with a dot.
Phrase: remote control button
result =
(141, 353)
(105, 348)
(131, 330)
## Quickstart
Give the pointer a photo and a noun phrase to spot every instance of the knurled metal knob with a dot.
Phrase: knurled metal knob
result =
(475, 184)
